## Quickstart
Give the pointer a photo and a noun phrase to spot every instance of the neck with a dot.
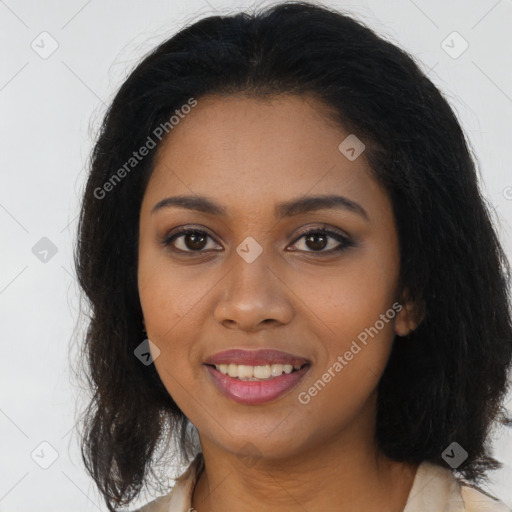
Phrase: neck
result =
(341, 476)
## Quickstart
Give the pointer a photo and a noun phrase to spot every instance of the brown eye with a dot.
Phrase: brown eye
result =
(195, 241)
(317, 240)
(188, 240)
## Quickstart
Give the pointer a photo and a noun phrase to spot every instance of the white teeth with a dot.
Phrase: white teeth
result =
(233, 370)
(246, 372)
(260, 372)
(276, 370)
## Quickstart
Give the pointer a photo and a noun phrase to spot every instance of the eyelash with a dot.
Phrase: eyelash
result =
(344, 241)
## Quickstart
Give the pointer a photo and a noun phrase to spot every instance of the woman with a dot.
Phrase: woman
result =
(286, 252)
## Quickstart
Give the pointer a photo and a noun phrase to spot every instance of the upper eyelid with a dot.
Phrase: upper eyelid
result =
(324, 228)
(304, 231)
(183, 231)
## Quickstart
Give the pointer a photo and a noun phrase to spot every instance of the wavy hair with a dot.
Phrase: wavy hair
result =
(445, 381)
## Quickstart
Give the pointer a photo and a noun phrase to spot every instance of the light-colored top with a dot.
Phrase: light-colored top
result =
(434, 489)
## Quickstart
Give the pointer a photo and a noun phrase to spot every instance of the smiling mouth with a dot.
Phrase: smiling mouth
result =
(256, 385)
(256, 373)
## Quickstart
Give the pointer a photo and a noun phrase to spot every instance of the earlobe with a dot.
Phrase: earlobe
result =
(403, 322)
(409, 317)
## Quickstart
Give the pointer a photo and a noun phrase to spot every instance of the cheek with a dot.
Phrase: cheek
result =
(350, 298)
(354, 356)
(171, 324)
(173, 303)
(355, 307)
(169, 293)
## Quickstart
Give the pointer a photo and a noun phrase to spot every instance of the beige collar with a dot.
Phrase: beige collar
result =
(434, 489)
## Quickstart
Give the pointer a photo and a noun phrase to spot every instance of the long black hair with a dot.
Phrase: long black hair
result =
(445, 382)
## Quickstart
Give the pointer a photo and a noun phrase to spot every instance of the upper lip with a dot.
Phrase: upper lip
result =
(259, 357)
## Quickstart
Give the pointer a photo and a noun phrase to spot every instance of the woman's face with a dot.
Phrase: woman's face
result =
(252, 278)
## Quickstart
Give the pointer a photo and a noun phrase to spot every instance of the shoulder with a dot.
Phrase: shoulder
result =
(160, 504)
(477, 500)
(437, 488)
(179, 499)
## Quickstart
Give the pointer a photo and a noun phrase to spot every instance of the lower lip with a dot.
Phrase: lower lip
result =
(255, 392)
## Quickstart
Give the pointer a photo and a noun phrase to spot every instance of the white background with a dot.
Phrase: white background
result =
(50, 109)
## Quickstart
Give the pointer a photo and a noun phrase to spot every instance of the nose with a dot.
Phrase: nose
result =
(253, 296)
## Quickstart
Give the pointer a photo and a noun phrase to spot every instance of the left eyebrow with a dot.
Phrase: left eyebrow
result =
(313, 203)
(284, 209)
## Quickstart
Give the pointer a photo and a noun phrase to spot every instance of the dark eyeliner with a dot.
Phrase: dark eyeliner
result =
(345, 242)
(170, 237)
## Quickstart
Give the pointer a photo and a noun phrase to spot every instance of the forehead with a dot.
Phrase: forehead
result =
(249, 150)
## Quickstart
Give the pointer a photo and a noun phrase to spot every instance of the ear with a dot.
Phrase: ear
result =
(410, 316)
